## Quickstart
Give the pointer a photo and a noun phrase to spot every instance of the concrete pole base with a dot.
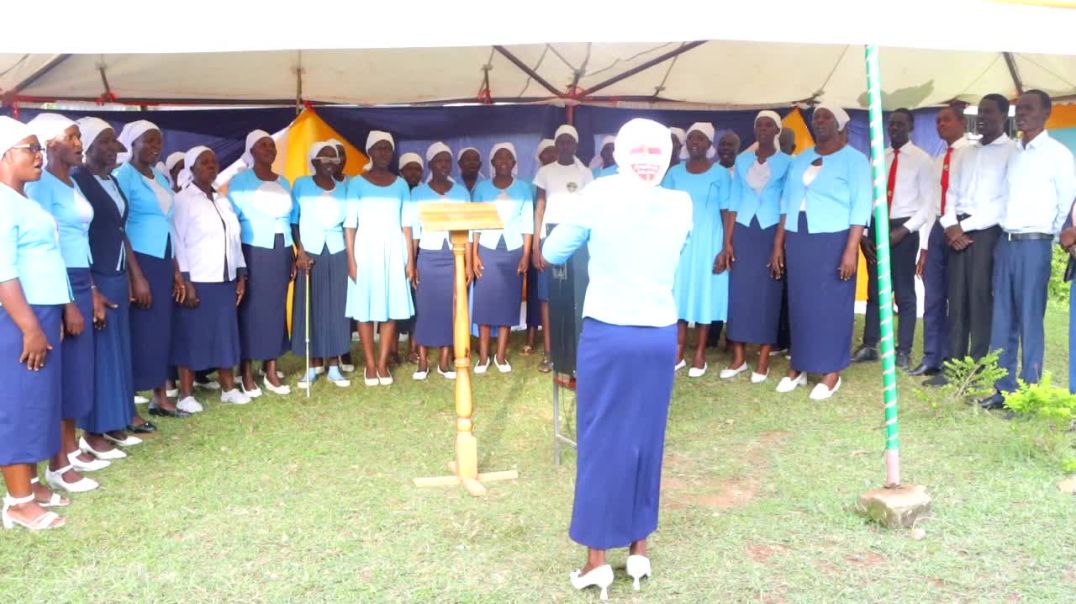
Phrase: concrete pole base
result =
(896, 507)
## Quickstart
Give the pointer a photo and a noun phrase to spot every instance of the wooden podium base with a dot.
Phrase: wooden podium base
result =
(473, 486)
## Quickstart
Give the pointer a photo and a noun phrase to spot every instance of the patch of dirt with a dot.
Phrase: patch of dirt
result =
(762, 553)
(865, 559)
(684, 484)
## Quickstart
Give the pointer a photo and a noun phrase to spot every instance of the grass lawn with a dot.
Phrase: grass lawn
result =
(297, 500)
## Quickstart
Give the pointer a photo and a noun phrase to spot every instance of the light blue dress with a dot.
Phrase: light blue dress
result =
(381, 291)
(701, 296)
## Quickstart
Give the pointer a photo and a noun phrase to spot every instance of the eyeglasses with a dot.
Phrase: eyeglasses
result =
(32, 147)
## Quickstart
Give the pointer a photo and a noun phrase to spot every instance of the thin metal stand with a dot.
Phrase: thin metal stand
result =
(568, 383)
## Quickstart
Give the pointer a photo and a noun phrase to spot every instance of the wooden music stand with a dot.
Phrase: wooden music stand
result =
(459, 219)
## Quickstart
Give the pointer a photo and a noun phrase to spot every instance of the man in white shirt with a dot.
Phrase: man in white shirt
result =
(910, 194)
(1041, 187)
(973, 208)
(934, 254)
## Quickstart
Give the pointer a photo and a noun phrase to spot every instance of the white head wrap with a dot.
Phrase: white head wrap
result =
(48, 126)
(643, 147)
(91, 128)
(436, 149)
(465, 150)
(567, 129)
(596, 161)
(165, 167)
(679, 134)
(186, 175)
(314, 150)
(707, 130)
(511, 149)
(334, 142)
(253, 137)
(839, 114)
(130, 134)
(776, 120)
(543, 144)
(11, 132)
(372, 139)
(411, 158)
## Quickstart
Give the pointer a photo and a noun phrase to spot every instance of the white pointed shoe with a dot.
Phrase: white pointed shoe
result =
(758, 378)
(680, 365)
(106, 455)
(86, 466)
(479, 368)
(279, 374)
(140, 400)
(281, 389)
(252, 394)
(130, 441)
(506, 368)
(420, 374)
(47, 520)
(210, 385)
(190, 405)
(370, 381)
(234, 397)
(601, 577)
(788, 384)
(638, 567)
(449, 375)
(728, 373)
(695, 372)
(347, 367)
(56, 481)
(821, 392)
(386, 380)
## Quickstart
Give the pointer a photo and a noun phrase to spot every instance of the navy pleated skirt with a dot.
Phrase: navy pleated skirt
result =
(754, 296)
(534, 305)
(263, 327)
(30, 400)
(498, 294)
(433, 298)
(113, 386)
(151, 328)
(77, 382)
(820, 304)
(625, 379)
(207, 336)
(330, 329)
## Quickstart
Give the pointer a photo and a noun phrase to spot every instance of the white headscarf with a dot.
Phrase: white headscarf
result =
(543, 144)
(411, 158)
(11, 132)
(48, 126)
(372, 139)
(704, 128)
(165, 167)
(130, 134)
(679, 134)
(186, 175)
(511, 149)
(596, 161)
(839, 114)
(253, 137)
(313, 153)
(433, 151)
(91, 128)
(460, 153)
(776, 120)
(567, 129)
(632, 152)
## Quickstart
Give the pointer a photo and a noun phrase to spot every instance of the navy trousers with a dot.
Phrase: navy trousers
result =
(936, 300)
(1021, 275)
(902, 259)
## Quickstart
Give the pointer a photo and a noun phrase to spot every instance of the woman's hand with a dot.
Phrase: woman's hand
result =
(74, 322)
(724, 260)
(866, 244)
(478, 265)
(524, 262)
(352, 269)
(1068, 238)
(240, 290)
(35, 347)
(412, 273)
(536, 255)
(190, 296)
(101, 305)
(303, 261)
(777, 261)
(140, 293)
(849, 263)
(179, 290)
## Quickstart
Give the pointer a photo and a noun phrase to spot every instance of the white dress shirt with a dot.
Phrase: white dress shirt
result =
(958, 147)
(208, 244)
(977, 185)
(913, 191)
(1042, 184)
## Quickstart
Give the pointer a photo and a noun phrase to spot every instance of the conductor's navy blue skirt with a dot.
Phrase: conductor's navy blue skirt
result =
(151, 328)
(820, 304)
(77, 381)
(433, 298)
(624, 381)
(754, 295)
(207, 336)
(30, 400)
(499, 293)
(113, 388)
(263, 326)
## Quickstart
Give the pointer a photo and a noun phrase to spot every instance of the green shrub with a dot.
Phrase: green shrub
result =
(1058, 289)
(1045, 421)
(970, 379)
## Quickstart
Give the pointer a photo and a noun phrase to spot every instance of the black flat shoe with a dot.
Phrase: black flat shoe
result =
(865, 354)
(904, 361)
(997, 401)
(143, 428)
(173, 413)
(924, 370)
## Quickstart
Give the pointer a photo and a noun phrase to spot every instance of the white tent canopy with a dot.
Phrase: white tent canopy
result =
(761, 53)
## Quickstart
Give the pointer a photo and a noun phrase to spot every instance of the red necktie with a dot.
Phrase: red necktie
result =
(892, 178)
(945, 176)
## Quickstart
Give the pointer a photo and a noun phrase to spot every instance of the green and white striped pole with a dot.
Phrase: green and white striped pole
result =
(885, 282)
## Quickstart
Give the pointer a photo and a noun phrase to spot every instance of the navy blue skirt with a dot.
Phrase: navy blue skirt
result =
(330, 329)
(820, 304)
(534, 305)
(79, 352)
(263, 323)
(498, 294)
(113, 386)
(151, 328)
(754, 295)
(625, 380)
(207, 336)
(433, 298)
(30, 400)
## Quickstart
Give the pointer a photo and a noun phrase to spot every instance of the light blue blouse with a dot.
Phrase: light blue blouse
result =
(30, 250)
(515, 206)
(431, 240)
(320, 215)
(72, 213)
(634, 237)
(837, 199)
(149, 222)
(749, 203)
(264, 208)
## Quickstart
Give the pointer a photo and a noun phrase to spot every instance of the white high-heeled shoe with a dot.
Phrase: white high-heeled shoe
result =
(788, 384)
(106, 455)
(128, 441)
(55, 499)
(56, 481)
(638, 567)
(42, 522)
(600, 576)
(86, 466)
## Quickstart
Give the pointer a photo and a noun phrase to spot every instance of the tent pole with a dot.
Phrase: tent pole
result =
(643, 67)
(1010, 62)
(299, 82)
(40, 73)
(885, 287)
(532, 74)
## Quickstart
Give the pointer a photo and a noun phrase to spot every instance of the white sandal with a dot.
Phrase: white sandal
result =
(56, 481)
(42, 522)
(55, 499)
